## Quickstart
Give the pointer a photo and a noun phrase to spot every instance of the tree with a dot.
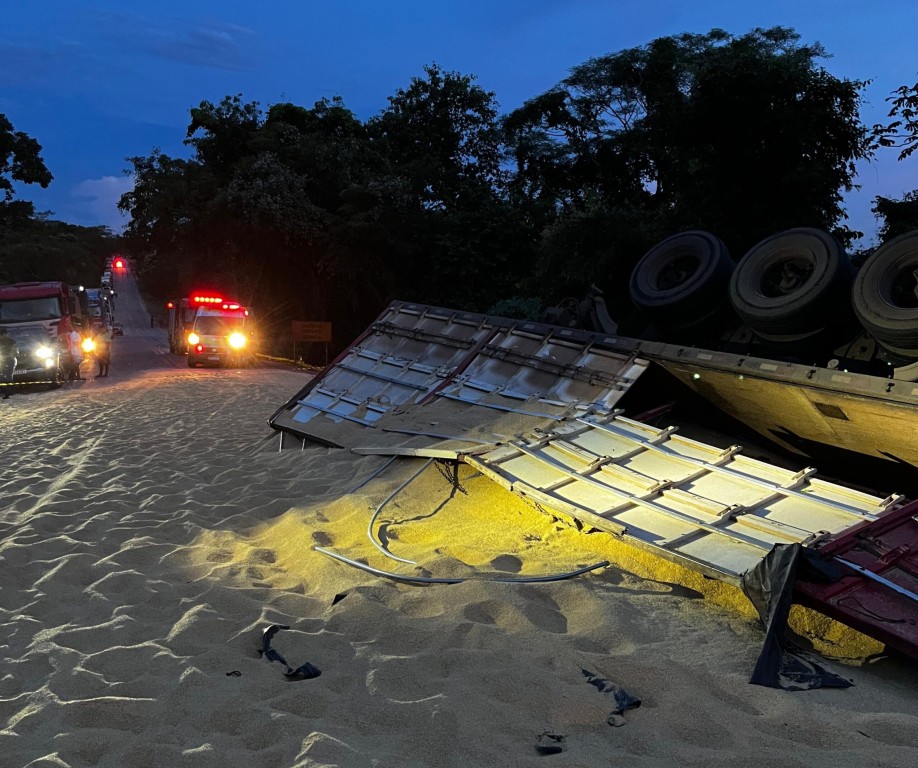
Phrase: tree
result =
(459, 240)
(41, 249)
(276, 209)
(164, 209)
(903, 131)
(743, 136)
(896, 216)
(899, 216)
(442, 134)
(20, 160)
(220, 133)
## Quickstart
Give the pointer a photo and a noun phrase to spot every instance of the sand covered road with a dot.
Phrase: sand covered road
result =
(150, 529)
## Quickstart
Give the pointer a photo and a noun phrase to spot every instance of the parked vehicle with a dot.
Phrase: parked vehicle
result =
(220, 335)
(38, 358)
(100, 310)
(218, 319)
(181, 318)
(52, 307)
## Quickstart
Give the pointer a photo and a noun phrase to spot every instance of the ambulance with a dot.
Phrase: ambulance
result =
(221, 333)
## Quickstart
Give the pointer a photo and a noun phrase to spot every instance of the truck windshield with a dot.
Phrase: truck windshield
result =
(22, 310)
(217, 326)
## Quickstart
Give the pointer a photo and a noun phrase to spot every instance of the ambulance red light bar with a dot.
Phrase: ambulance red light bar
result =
(232, 306)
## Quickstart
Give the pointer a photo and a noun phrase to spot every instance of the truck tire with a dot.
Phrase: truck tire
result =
(792, 285)
(682, 281)
(885, 296)
(56, 378)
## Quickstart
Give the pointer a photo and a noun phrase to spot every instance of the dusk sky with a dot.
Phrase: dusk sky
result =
(96, 81)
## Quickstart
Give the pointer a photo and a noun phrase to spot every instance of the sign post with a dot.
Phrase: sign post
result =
(311, 330)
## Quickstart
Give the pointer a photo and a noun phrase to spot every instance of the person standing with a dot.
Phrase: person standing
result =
(75, 352)
(103, 350)
(7, 360)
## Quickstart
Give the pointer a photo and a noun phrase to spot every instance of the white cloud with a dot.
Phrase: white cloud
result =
(97, 200)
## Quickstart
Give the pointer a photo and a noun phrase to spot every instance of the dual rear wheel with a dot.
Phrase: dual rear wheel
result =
(789, 287)
(885, 297)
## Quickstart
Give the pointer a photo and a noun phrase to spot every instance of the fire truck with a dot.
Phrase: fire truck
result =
(211, 330)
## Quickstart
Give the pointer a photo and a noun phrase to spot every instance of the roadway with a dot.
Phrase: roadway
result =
(143, 347)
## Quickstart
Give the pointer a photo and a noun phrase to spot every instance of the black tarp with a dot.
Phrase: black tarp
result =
(770, 586)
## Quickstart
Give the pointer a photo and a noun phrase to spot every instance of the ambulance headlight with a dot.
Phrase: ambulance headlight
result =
(237, 340)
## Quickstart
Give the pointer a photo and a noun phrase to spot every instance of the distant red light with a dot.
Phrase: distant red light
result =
(170, 305)
(119, 263)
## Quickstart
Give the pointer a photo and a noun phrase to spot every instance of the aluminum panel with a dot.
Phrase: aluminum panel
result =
(420, 373)
(711, 509)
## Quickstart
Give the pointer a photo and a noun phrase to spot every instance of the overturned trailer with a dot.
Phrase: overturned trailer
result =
(789, 339)
(536, 408)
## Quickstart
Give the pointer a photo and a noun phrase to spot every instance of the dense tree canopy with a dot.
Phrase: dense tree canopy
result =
(32, 246)
(743, 136)
(311, 214)
(255, 211)
(896, 216)
(461, 242)
(315, 214)
(40, 249)
(20, 160)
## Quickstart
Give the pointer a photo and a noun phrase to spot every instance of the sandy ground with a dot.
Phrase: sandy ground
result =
(151, 529)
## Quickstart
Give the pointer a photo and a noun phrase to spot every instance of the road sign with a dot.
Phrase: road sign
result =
(309, 330)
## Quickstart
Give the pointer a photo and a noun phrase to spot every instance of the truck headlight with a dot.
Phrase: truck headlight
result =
(237, 340)
(43, 353)
(193, 338)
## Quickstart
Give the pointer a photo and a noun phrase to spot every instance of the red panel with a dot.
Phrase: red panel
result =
(886, 607)
(33, 290)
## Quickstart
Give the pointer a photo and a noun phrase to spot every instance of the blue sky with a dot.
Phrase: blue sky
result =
(96, 81)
